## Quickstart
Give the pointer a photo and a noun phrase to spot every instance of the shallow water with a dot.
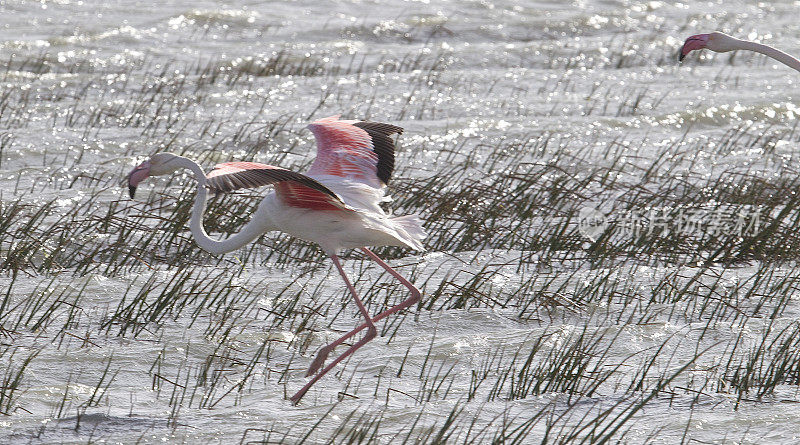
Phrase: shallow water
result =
(116, 327)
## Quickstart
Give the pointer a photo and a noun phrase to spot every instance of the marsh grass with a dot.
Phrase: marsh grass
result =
(503, 221)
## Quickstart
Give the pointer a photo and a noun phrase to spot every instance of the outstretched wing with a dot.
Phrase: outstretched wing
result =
(294, 189)
(360, 151)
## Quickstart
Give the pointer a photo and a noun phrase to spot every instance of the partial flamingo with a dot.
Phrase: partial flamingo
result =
(722, 43)
(336, 205)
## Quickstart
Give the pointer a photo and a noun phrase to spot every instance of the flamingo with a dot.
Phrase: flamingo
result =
(336, 205)
(722, 43)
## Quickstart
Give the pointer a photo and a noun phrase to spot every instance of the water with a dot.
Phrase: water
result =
(118, 328)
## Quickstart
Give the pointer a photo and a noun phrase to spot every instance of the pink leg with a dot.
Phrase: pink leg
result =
(415, 297)
(371, 333)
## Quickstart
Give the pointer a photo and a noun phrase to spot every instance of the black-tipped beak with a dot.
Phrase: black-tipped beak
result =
(138, 175)
(693, 43)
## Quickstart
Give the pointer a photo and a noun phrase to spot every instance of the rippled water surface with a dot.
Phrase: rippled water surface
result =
(673, 318)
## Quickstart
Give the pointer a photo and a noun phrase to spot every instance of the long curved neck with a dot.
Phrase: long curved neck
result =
(249, 232)
(769, 51)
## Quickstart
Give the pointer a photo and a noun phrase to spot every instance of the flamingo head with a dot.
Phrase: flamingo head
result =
(715, 41)
(158, 164)
(693, 43)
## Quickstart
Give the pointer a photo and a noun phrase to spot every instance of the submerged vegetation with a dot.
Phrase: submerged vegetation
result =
(528, 330)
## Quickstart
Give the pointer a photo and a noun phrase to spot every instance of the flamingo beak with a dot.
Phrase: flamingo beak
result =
(693, 43)
(138, 175)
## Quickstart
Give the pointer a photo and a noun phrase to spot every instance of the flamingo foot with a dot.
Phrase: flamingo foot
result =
(295, 399)
(322, 355)
(371, 333)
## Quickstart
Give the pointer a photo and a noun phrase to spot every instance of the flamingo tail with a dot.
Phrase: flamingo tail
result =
(411, 230)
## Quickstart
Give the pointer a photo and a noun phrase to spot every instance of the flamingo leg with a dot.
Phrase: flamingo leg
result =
(371, 333)
(415, 297)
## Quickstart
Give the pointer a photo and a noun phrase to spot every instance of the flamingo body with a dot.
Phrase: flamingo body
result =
(334, 230)
(336, 205)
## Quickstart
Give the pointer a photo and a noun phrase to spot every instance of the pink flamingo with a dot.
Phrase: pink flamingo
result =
(722, 43)
(336, 205)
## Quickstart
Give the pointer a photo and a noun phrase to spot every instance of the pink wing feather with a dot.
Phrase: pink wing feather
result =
(294, 189)
(360, 151)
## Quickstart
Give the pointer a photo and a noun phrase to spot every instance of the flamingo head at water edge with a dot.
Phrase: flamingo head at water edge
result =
(715, 41)
(159, 164)
(693, 43)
